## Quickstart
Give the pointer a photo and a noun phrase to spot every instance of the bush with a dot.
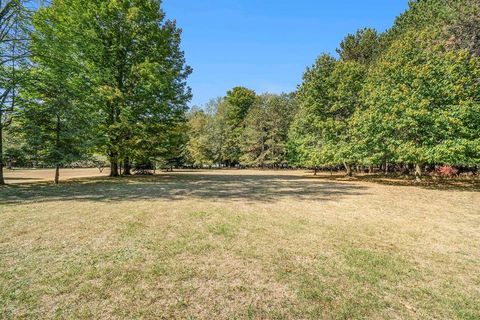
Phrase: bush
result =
(446, 171)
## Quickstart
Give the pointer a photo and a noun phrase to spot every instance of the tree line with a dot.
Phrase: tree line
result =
(241, 129)
(83, 79)
(91, 77)
(407, 99)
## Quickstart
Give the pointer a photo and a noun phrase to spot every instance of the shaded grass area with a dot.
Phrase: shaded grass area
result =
(427, 182)
(237, 246)
(216, 187)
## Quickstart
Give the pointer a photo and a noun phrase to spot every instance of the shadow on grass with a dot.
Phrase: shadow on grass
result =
(235, 187)
(426, 183)
(7, 179)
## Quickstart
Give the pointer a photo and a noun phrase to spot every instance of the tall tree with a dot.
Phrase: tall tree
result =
(266, 130)
(207, 134)
(422, 104)
(238, 102)
(305, 147)
(347, 81)
(132, 57)
(13, 42)
(56, 118)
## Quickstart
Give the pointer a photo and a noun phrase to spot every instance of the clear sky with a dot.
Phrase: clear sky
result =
(266, 45)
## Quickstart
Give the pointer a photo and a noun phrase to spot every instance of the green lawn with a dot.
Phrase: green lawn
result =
(238, 245)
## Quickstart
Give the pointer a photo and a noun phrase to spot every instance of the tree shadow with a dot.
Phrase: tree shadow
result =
(180, 186)
(7, 179)
(472, 185)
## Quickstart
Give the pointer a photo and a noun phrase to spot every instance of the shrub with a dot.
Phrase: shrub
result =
(447, 171)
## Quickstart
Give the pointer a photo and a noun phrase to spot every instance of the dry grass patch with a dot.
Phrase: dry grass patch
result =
(238, 244)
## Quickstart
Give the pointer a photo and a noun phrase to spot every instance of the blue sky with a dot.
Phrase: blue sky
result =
(266, 45)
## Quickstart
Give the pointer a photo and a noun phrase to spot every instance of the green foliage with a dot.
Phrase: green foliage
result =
(109, 77)
(464, 33)
(207, 132)
(421, 105)
(56, 122)
(15, 151)
(136, 63)
(305, 147)
(410, 96)
(108, 74)
(198, 139)
(266, 130)
(218, 138)
(13, 56)
(361, 47)
(234, 112)
(432, 14)
(239, 101)
(320, 134)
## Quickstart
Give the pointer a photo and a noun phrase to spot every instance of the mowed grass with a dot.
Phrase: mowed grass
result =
(238, 245)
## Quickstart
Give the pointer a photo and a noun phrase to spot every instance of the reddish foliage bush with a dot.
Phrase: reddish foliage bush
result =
(447, 171)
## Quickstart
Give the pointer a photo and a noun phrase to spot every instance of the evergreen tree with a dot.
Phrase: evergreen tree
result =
(237, 105)
(266, 131)
(362, 47)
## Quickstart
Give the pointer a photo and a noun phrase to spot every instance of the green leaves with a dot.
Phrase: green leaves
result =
(408, 96)
(266, 131)
(362, 47)
(420, 93)
(328, 97)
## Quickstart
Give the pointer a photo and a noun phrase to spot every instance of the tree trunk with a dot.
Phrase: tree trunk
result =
(348, 168)
(114, 166)
(418, 171)
(2, 180)
(263, 153)
(57, 173)
(127, 168)
(370, 169)
(315, 171)
(57, 146)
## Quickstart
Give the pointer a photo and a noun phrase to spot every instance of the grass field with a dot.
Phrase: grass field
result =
(43, 175)
(237, 245)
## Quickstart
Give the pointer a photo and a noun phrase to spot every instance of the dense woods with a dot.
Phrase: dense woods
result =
(105, 81)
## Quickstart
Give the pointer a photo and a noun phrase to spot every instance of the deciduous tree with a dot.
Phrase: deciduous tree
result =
(13, 52)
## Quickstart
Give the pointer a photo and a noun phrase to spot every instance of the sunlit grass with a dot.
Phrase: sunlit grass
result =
(207, 245)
